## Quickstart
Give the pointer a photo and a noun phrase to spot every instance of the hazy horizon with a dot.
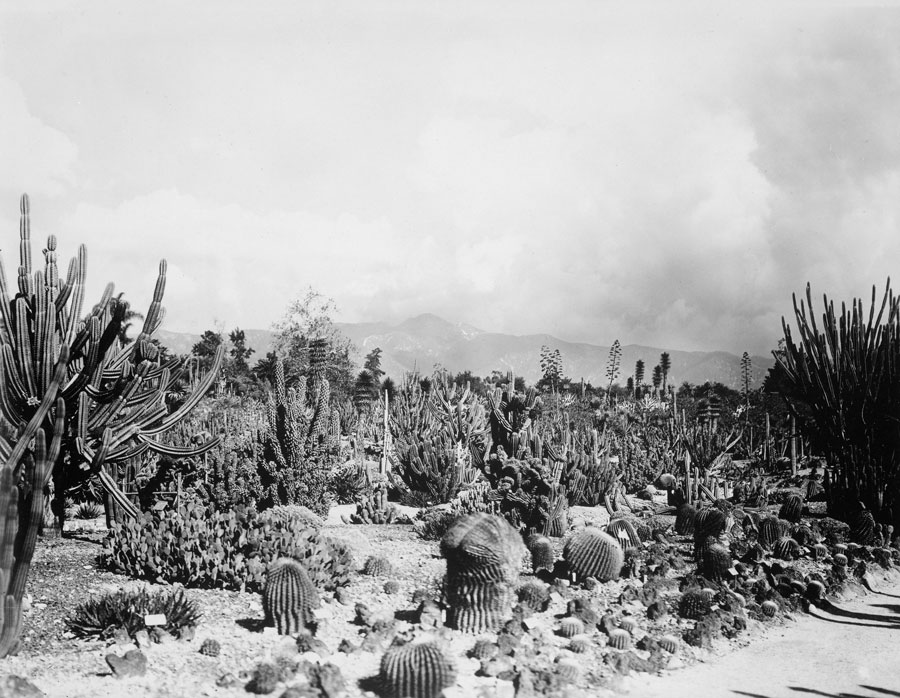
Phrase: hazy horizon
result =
(664, 175)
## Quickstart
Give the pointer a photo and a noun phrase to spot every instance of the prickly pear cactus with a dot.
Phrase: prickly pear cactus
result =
(791, 508)
(484, 554)
(289, 596)
(593, 553)
(416, 670)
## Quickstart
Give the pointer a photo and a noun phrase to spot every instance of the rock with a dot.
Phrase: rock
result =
(227, 680)
(12, 686)
(134, 663)
(142, 638)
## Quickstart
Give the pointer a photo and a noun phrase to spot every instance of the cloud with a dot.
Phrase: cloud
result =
(665, 177)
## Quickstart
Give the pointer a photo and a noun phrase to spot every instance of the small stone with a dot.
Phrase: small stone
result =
(134, 663)
(161, 636)
(227, 680)
(142, 638)
(12, 686)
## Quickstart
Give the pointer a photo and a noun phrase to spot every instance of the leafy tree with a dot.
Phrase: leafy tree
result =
(373, 364)
(205, 349)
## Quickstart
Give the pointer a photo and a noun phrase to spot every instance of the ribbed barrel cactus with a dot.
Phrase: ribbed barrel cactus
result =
(416, 670)
(484, 554)
(289, 596)
(593, 553)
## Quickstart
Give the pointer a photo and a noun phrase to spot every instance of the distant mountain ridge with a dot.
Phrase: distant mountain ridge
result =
(423, 341)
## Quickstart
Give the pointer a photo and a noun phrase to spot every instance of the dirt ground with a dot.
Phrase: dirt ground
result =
(65, 572)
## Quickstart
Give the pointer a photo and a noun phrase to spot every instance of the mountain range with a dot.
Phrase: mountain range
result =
(424, 341)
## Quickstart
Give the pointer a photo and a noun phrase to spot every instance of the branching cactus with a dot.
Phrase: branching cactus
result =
(301, 443)
(484, 554)
(76, 398)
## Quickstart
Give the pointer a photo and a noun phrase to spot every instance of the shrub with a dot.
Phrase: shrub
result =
(88, 511)
(199, 547)
(100, 616)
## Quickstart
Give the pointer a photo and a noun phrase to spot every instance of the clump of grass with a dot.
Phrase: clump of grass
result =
(101, 616)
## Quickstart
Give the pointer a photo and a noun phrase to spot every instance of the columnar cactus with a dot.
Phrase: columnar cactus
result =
(301, 444)
(416, 670)
(67, 380)
(593, 553)
(289, 596)
(484, 554)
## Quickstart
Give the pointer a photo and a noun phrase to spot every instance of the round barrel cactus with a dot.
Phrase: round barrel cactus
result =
(625, 532)
(484, 554)
(770, 530)
(289, 596)
(543, 556)
(593, 553)
(416, 670)
(786, 548)
(685, 516)
(791, 508)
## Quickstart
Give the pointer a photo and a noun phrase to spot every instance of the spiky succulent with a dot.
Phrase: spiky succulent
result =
(593, 553)
(125, 609)
(378, 566)
(416, 670)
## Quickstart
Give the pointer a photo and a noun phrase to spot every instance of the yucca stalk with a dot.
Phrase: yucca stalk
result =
(848, 373)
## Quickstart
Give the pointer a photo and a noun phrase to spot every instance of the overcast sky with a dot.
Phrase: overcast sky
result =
(661, 176)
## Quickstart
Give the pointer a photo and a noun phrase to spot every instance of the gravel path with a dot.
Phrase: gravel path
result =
(820, 654)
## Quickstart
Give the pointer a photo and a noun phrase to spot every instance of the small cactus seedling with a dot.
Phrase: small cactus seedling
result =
(543, 556)
(484, 649)
(769, 608)
(791, 509)
(619, 639)
(570, 627)
(535, 596)
(694, 604)
(593, 553)
(786, 548)
(210, 647)
(392, 586)
(567, 669)
(583, 610)
(376, 566)
(669, 643)
(820, 551)
(416, 670)
(289, 596)
(840, 560)
(580, 644)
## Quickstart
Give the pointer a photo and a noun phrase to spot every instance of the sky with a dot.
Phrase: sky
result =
(662, 175)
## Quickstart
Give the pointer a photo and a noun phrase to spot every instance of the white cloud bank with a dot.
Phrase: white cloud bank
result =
(665, 179)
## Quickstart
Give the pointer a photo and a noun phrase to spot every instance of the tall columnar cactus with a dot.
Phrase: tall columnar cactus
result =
(846, 371)
(300, 443)
(66, 380)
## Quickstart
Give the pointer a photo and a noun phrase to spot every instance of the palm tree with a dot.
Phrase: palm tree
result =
(127, 319)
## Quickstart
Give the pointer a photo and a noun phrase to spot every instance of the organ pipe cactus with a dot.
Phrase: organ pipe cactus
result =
(846, 371)
(76, 399)
(114, 395)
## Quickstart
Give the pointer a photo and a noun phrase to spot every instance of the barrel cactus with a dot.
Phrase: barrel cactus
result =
(377, 566)
(289, 596)
(786, 548)
(543, 556)
(770, 530)
(484, 554)
(715, 560)
(570, 627)
(625, 532)
(593, 553)
(694, 604)
(685, 516)
(862, 528)
(619, 639)
(791, 509)
(416, 670)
